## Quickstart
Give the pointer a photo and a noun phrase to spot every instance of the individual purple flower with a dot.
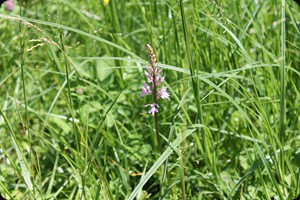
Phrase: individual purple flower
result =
(153, 108)
(159, 81)
(163, 93)
(148, 76)
(146, 90)
(153, 75)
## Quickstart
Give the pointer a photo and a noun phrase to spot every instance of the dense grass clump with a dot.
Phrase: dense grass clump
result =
(73, 124)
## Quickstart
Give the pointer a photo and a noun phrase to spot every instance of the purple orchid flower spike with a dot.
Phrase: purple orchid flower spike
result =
(153, 75)
(155, 89)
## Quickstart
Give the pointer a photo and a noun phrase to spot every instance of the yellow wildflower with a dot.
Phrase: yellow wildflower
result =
(105, 2)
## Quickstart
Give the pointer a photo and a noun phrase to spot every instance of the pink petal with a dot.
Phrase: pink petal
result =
(163, 93)
(153, 108)
(146, 90)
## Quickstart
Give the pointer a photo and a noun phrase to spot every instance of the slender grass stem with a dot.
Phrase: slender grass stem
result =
(282, 90)
(282, 74)
(22, 63)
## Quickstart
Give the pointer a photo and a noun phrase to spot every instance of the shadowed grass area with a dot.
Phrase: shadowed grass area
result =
(74, 126)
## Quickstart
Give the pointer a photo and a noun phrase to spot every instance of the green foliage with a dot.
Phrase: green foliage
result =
(73, 125)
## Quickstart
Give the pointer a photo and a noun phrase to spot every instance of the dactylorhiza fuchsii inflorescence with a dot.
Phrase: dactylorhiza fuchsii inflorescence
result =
(154, 78)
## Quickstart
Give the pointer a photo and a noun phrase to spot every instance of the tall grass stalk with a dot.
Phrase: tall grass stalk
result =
(282, 89)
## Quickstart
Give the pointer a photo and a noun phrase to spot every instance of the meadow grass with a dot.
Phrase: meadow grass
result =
(74, 126)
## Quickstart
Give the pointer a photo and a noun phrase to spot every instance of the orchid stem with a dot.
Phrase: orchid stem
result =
(157, 133)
